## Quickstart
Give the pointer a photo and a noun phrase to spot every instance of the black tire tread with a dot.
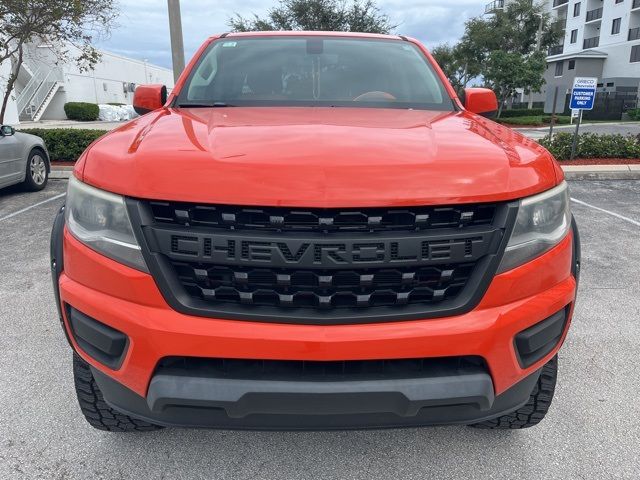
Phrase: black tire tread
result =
(535, 409)
(95, 409)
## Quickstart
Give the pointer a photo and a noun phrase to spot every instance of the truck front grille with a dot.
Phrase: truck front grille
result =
(321, 266)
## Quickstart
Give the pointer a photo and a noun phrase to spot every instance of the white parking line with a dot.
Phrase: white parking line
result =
(11, 215)
(613, 214)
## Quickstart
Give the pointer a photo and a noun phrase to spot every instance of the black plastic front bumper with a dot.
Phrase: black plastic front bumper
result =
(201, 401)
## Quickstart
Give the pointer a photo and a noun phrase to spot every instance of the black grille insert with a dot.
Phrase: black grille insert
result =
(323, 289)
(297, 370)
(321, 266)
(321, 220)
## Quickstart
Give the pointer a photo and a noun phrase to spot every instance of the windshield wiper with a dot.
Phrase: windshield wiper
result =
(204, 105)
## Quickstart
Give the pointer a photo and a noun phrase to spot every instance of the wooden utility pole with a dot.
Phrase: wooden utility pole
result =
(177, 44)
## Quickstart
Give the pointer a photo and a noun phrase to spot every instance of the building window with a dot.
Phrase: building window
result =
(619, 1)
(576, 9)
(559, 67)
(635, 54)
(610, 84)
(574, 36)
(615, 26)
(572, 65)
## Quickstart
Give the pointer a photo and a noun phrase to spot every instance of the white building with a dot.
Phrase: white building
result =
(601, 39)
(43, 86)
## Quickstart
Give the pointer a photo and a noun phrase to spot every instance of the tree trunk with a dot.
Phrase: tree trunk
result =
(10, 84)
(502, 100)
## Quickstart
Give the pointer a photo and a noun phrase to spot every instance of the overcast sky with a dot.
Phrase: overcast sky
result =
(143, 32)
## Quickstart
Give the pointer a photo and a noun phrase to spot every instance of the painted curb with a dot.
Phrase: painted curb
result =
(571, 172)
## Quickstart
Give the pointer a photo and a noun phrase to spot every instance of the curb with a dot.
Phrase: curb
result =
(60, 173)
(601, 172)
(571, 172)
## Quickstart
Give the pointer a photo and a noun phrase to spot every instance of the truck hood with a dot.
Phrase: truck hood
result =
(317, 157)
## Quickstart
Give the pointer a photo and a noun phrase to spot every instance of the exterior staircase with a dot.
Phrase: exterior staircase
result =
(34, 98)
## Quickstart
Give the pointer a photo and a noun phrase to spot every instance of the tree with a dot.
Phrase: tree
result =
(522, 31)
(506, 49)
(56, 22)
(459, 63)
(326, 15)
(507, 71)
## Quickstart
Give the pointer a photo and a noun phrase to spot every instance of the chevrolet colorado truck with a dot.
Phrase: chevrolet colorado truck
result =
(314, 231)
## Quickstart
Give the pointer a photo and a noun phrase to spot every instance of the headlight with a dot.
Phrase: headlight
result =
(543, 221)
(100, 220)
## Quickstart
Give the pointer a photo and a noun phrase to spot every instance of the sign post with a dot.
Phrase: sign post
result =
(583, 95)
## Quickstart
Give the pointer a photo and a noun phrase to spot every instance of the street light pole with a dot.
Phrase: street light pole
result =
(175, 31)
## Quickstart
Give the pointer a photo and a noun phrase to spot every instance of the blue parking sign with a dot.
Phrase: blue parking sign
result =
(583, 93)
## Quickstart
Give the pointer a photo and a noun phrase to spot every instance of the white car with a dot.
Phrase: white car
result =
(23, 159)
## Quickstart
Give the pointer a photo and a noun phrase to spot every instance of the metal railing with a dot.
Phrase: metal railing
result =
(557, 3)
(594, 14)
(634, 33)
(560, 22)
(493, 6)
(555, 50)
(30, 89)
(591, 42)
(53, 76)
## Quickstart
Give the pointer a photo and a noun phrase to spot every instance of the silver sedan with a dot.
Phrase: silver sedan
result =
(23, 159)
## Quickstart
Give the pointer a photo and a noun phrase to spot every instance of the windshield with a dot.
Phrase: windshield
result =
(314, 71)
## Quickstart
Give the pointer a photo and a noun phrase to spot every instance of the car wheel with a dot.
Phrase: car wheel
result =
(37, 171)
(95, 409)
(536, 408)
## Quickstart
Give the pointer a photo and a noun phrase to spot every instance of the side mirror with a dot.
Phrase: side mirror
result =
(148, 98)
(6, 130)
(481, 101)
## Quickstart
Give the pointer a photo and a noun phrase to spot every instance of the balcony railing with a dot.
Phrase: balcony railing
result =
(556, 50)
(560, 23)
(594, 14)
(493, 6)
(557, 3)
(634, 33)
(635, 4)
(591, 42)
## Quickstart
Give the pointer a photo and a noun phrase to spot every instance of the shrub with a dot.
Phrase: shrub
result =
(84, 112)
(65, 144)
(591, 145)
(538, 120)
(522, 112)
(634, 114)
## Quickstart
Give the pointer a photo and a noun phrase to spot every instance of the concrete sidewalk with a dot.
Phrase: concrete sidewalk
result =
(572, 172)
(49, 124)
(609, 128)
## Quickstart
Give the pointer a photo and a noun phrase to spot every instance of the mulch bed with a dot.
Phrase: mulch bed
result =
(601, 161)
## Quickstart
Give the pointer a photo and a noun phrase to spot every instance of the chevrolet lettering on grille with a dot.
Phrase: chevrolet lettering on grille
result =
(308, 252)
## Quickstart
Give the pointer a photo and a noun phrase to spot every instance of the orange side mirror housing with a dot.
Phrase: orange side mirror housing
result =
(482, 101)
(148, 98)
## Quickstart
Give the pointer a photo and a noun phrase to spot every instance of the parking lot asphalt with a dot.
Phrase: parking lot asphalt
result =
(592, 430)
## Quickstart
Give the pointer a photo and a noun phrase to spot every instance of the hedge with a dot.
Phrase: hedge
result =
(591, 145)
(522, 112)
(65, 144)
(82, 111)
(538, 120)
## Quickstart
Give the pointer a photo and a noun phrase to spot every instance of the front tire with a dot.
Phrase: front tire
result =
(95, 409)
(37, 174)
(535, 409)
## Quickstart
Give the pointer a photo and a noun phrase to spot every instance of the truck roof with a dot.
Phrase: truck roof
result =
(307, 34)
